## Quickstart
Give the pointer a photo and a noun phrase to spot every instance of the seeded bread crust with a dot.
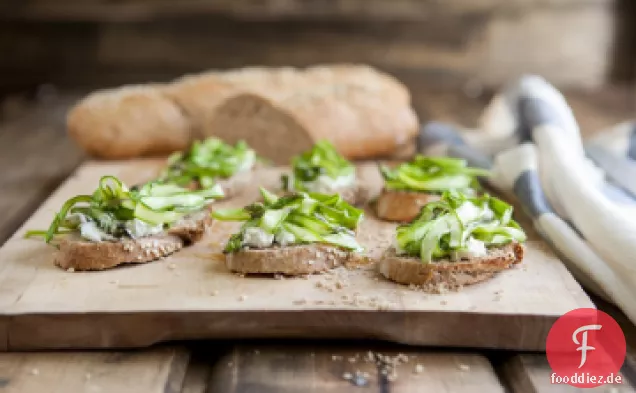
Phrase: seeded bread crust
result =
(290, 260)
(402, 206)
(77, 254)
(445, 274)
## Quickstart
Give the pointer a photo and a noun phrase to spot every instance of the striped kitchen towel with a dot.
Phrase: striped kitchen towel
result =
(530, 140)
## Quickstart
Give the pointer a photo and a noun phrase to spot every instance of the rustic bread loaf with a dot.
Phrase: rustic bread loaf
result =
(279, 111)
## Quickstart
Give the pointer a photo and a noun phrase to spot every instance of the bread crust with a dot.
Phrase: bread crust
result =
(129, 121)
(364, 112)
(402, 206)
(444, 274)
(77, 254)
(290, 260)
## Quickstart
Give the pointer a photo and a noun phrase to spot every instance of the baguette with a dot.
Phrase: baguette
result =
(402, 206)
(279, 111)
(77, 254)
(445, 274)
(289, 260)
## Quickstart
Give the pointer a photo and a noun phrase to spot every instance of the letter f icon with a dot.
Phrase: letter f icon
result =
(584, 347)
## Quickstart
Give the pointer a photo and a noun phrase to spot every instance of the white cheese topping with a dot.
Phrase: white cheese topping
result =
(139, 228)
(90, 231)
(327, 185)
(285, 238)
(469, 212)
(256, 237)
(474, 249)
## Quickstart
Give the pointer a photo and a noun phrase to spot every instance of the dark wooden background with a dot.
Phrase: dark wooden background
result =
(580, 44)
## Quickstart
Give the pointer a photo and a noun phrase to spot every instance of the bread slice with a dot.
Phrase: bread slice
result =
(290, 260)
(444, 274)
(402, 206)
(76, 254)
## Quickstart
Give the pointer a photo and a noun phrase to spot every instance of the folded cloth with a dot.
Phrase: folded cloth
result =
(531, 141)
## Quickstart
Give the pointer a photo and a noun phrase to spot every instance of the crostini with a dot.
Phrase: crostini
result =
(456, 241)
(296, 234)
(116, 225)
(210, 161)
(322, 169)
(411, 185)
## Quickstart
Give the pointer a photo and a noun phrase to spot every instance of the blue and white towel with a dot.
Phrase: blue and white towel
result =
(530, 140)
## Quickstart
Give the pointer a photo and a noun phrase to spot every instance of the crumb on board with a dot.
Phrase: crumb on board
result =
(419, 368)
(464, 367)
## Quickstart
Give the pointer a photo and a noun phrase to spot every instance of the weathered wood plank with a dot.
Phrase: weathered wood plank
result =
(159, 370)
(491, 45)
(531, 374)
(334, 369)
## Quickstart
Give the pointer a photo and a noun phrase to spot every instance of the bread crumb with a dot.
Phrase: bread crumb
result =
(352, 360)
(347, 376)
(242, 298)
(214, 293)
(464, 367)
(229, 364)
(35, 371)
(88, 376)
(300, 302)
(443, 302)
(257, 352)
(114, 282)
(70, 269)
(392, 377)
(419, 368)
(172, 266)
(336, 357)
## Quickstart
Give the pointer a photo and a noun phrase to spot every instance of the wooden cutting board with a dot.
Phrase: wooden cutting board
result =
(191, 295)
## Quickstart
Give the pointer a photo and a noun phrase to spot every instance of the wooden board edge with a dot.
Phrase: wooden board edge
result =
(136, 330)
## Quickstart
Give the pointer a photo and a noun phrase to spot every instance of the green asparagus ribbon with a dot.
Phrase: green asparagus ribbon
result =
(307, 217)
(113, 203)
(432, 174)
(444, 227)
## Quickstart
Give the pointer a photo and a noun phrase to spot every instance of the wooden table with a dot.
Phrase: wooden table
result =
(35, 156)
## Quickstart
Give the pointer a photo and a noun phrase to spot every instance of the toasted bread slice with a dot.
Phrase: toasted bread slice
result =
(76, 254)
(290, 260)
(402, 206)
(445, 274)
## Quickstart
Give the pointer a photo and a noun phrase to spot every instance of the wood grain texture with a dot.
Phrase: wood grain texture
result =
(531, 374)
(51, 308)
(143, 10)
(335, 369)
(159, 370)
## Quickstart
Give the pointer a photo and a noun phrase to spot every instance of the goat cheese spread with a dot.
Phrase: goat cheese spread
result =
(327, 185)
(257, 237)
